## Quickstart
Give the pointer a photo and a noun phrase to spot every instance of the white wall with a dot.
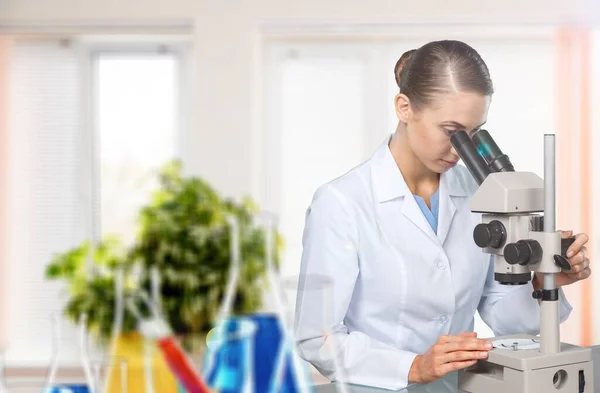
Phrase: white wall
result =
(228, 125)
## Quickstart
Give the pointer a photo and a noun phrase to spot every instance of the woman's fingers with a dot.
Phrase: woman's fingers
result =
(578, 267)
(580, 240)
(462, 356)
(463, 348)
(455, 366)
(467, 344)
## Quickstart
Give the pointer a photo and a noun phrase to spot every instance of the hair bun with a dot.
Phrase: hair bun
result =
(401, 63)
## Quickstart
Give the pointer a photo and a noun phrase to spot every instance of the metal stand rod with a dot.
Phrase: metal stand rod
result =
(550, 323)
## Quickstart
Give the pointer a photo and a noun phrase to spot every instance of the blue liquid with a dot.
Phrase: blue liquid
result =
(264, 355)
(271, 355)
(68, 388)
(231, 350)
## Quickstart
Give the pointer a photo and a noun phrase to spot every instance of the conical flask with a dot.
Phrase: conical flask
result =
(50, 383)
(115, 377)
(229, 359)
(290, 374)
(95, 367)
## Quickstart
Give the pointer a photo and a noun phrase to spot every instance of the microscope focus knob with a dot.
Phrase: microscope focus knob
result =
(492, 234)
(523, 252)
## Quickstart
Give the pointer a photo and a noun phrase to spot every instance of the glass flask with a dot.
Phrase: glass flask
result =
(290, 373)
(92, 367)
(41, 384)
(315, 290)
(229, 360)
(272, 362)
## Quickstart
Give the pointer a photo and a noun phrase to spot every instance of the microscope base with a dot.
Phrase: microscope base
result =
(529, 371)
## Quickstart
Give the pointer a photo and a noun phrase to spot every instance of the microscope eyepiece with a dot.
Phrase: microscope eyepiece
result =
(489, 150)
(468, 153)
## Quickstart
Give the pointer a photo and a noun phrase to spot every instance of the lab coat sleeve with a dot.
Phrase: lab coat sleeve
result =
(329, 269)
(509, 309)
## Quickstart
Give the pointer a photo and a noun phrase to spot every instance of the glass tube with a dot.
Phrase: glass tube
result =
(227, 302)
(234, 252)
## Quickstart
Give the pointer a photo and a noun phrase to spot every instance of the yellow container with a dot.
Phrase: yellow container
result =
(130, 348)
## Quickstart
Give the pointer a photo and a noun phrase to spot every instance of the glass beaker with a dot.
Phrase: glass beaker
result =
(229, 361)
(310, 313)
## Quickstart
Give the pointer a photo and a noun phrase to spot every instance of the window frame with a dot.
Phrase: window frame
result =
(91, 50)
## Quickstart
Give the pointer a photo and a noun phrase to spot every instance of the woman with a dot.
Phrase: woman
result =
(393, 236)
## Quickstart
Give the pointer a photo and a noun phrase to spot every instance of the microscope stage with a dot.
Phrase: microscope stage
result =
(531, 359)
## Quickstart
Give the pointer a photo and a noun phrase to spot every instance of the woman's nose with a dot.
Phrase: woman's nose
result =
(453, 151)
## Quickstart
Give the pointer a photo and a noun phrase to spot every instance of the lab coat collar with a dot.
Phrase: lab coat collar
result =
(389, 183)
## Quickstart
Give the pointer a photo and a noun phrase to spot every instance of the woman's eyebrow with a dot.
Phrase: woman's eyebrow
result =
(458, 125)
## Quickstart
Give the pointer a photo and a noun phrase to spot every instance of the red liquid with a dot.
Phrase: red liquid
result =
(181, 366)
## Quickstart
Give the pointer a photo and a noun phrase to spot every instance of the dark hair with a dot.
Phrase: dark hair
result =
(401, 63)
(442, 67)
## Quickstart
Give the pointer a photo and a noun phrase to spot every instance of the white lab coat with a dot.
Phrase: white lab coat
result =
(396, 286)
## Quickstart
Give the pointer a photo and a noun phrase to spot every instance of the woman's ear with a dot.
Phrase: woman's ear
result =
(402, 104)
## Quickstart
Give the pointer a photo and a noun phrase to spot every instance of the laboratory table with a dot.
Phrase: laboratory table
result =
(333, 388)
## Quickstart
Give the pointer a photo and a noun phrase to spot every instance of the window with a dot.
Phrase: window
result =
(323, 119)
(314, 127)
(136, 118)
(89, 127)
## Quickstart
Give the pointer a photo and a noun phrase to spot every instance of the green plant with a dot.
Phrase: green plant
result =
(183, 232)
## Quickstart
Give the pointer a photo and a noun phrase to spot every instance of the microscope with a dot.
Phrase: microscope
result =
(518, 230)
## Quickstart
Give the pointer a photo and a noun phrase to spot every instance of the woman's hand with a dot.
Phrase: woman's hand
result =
(577, 256)
(449, 354)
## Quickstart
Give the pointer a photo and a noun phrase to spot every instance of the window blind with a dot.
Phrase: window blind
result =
(45, 194)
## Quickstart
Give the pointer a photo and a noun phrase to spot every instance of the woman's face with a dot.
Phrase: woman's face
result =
(429, 129)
